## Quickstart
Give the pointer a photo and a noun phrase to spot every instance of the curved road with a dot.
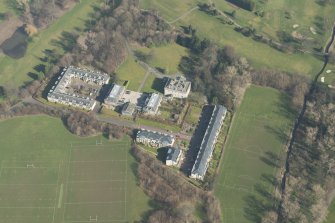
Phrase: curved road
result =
(299, 120)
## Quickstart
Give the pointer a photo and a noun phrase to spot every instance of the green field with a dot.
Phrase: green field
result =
(252, 153)
(132, 72)
(171, 9)
(193, 115)
(149, 85)
(49, 175)
(329, 78)
(259, 54)
(14, 73)
(153, 84)
(165, 57)
(302, 13)
(4, 7)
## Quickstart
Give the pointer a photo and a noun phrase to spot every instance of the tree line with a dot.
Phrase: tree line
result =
(311, 181)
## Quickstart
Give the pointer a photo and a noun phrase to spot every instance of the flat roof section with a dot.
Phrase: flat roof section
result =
(179, 84)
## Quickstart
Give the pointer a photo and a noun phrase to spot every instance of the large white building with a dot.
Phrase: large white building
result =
(59, 91)
(154, 139)
(178, 87)
(208, 143)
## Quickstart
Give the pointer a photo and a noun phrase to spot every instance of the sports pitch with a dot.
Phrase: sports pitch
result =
(252, 155)
(90, 182)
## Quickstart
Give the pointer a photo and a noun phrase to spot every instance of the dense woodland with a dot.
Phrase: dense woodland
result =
(177, 199)
(310, 184)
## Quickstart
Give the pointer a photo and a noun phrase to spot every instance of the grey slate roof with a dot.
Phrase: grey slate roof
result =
(163, 139)
(173, 154)
(208, 142)
(91, 75)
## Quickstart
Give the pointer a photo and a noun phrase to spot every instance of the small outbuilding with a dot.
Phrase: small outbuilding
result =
(128, 109)
(173, 156)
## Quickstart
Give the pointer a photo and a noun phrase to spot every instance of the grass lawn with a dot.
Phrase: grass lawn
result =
(165, 57)
(329, 78)
(253, 151)
(149, 84)
(193, 115)
(331, 213)
(14, 73)
(4, 7)
(170, 9)
(153, 84)
(147, 122)
(302, 13)
(132, 72)
(259, 54)
(70, 177)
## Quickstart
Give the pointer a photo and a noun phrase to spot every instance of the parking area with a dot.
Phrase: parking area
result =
(134, 97)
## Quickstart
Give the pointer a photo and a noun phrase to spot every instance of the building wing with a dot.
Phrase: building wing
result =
(208, 142)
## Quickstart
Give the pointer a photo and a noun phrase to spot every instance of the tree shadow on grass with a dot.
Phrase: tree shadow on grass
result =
(269, 178)
(285, 107)
(67, 41)
(258, 204)
(271, 159)
(158, 84)
(33, 76)
(40, 68)
(278, 132)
